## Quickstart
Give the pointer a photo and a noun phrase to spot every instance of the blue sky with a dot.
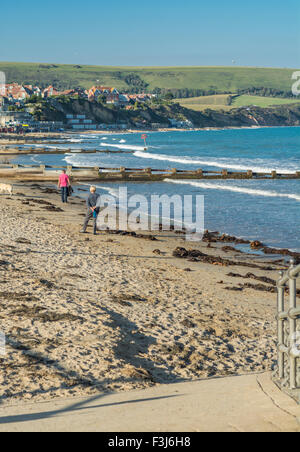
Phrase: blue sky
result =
(154, 33)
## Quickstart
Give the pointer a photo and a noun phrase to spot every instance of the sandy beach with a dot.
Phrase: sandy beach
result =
(85, 313)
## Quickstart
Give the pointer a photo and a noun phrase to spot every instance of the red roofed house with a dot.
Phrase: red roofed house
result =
(32, 90)
(107, 91)
(15, 92)
(50, 91)
(72, 93)
(141, 97)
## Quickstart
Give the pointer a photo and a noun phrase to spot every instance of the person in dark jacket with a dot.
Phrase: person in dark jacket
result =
(92, 210)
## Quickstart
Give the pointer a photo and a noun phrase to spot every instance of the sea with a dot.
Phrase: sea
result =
(265, 210)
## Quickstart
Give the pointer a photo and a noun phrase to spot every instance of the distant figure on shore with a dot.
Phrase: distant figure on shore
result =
(92, 210)
(64, 184)
(6, 188)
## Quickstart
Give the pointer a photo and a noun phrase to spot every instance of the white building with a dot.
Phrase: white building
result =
(79, 122)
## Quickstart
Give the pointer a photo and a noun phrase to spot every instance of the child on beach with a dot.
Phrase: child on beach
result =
(92, 210)
(64, 184)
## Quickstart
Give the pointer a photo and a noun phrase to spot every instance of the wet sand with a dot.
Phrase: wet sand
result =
(85, 314)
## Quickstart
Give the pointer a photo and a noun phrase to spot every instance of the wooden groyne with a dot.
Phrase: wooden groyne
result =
(46, 173)
(12, 152)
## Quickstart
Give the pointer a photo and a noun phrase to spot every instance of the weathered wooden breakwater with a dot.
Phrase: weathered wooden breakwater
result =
(12, 152)
(46, 173)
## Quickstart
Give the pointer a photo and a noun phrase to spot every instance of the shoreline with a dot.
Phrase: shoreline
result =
(261, 246)
(244, 240)
(115, 312)
(280, 250)
(60, 135)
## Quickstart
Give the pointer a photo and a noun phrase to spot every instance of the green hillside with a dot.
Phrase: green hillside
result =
(242, 101)
(218, 102)
(227, 102)
(220, 79)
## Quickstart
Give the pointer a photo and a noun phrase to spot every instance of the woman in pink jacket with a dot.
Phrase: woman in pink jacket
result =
(64, 184)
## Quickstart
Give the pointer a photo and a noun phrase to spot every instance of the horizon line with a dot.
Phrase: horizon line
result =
(153, 67)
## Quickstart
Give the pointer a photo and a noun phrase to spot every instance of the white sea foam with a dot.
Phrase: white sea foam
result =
(114, 192)
(122, 203)
(221, 163)
(34, 159)
(233, 188)
(77, 159)
(61, 148)
(47, 146)
(124, 146)
(88, 136)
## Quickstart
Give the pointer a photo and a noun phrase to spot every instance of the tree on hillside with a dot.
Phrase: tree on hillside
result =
(169, 96)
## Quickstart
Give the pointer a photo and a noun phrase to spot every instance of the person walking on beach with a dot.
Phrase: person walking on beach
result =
(64, 184)
(92, 210)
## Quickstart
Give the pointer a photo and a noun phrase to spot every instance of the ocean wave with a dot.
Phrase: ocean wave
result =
(114, 192)
(46, 146)
(61, 148)
(233, 188)
(121, 200)
(35, 160)
(76, 159)
(124, 146)
(225, 164)
(88, 136)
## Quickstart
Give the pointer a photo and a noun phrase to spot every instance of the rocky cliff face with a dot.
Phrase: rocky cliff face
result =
(57, 109)
(277, 116)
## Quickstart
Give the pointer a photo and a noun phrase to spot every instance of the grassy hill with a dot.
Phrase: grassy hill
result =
(242, 101)
(217, 102)
(220, 79)
(224, 102)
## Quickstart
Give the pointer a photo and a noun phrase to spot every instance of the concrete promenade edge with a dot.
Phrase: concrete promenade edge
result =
(249, 403)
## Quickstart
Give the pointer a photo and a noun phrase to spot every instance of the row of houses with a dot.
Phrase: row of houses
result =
(22, 121)
(14, 93)
(81, 122)
(113, 96)
(18, 121)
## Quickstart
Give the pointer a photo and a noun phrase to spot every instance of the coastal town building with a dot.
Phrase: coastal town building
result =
(80, 122)
(18, 121)
(141, 97)
(32, 90)
(109, 94)
(13, 92)
(18, 114)
(11, 118)
(50, 91)
(181, 124)
(72, 93)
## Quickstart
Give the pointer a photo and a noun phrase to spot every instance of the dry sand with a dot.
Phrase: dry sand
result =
(85, 314)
